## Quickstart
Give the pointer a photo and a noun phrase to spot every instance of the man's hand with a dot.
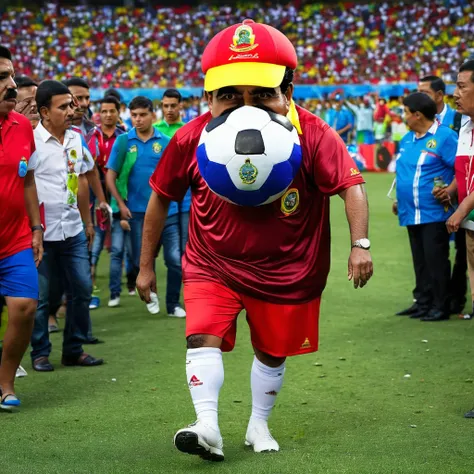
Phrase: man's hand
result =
(146, 283)
(125, 213)
(28, 108)
(442, 195)
(454, 222)
(125, 225)
(90, 234)
(360, 268)
(104, 210)
(37, 244)
(395, 208)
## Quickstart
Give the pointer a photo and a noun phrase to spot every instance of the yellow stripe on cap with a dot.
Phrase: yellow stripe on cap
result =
(244, 74)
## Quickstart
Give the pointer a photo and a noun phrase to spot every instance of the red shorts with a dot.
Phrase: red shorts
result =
(279, 330)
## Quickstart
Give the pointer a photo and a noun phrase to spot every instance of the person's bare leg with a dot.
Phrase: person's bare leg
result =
(21, 317)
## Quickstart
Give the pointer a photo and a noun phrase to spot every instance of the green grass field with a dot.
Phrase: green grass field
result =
(347, 409)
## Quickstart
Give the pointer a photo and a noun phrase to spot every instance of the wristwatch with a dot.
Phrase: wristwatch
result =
(362, 244)
(37, 227)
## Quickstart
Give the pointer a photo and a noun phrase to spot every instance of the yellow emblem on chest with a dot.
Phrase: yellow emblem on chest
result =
(290, 201)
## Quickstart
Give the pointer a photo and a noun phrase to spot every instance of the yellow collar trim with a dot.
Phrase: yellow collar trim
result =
(294, 118)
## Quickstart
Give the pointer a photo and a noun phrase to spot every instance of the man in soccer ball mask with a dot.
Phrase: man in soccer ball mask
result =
(271, 260)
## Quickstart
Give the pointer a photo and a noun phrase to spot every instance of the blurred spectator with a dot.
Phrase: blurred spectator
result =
(26, 102)
(337, 44)
(80, 91)
(171, 106)
(398, 128)
(436, 89)
(364, 112)
(343, 120)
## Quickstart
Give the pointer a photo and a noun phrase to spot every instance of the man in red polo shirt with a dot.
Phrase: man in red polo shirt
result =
(271, 260)
(21, 233)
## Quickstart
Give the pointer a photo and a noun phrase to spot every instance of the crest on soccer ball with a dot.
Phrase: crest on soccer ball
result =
(290, 201)
(431, 144)
(243, 39)
(157, 148)
(248, 172)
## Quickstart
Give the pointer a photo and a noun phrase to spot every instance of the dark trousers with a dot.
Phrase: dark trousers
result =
(458, 286)
(72, 258)
(430, 251)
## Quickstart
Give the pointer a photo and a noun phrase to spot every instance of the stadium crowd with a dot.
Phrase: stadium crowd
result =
(336, 44)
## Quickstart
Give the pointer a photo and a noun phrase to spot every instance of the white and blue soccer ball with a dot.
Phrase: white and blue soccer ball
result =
(249, 156)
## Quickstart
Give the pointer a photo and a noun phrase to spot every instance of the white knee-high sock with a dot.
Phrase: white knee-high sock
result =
(266, 383)
(205, 373)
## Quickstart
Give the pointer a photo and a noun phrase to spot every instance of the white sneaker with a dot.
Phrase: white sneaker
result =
(21, 372)
(114, 302)
(258, 435)
(154, 306)
(132, 292)
(202, 440)
(178, 313)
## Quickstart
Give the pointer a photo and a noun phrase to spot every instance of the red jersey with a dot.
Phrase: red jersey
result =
(17, 144)
(279, 252)
(100, 145)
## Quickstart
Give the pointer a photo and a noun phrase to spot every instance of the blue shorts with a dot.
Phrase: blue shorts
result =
(18, 275)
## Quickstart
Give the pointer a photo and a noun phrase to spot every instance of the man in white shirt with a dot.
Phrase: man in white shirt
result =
(463, 217)
(62, 164)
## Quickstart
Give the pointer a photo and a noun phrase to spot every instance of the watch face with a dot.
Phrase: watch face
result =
(364, 243)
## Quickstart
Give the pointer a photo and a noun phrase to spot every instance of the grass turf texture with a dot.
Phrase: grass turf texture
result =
(346, 409)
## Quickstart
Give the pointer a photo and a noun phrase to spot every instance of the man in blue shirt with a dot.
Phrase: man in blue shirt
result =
(426, 160)
(435, 87)
(132, 161)
(343, 120)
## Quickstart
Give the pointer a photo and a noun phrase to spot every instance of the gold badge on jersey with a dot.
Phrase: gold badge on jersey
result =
(157, 148)
(431, 144)
(290, 201)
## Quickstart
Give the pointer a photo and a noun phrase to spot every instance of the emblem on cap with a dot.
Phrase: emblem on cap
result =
(243, 39)
(248, 172)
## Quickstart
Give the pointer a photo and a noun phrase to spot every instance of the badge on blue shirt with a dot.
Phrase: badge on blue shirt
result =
(22, 168)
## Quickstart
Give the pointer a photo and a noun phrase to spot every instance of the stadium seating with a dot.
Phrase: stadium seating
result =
(338, 44)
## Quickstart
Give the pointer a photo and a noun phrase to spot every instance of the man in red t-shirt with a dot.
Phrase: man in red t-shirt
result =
(21, 233)
(272, 260)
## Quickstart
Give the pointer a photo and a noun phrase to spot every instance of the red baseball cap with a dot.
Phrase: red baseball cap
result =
(247, 54)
